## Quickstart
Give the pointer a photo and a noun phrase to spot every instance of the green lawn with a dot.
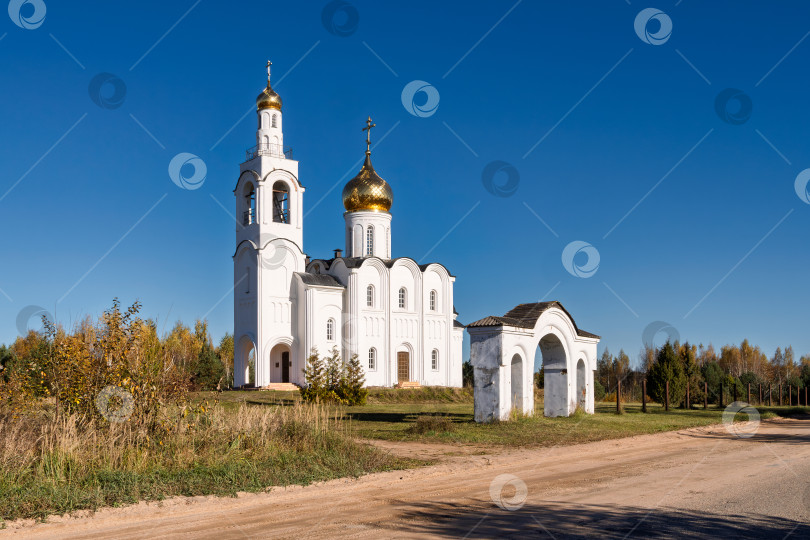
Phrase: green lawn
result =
(392, 417)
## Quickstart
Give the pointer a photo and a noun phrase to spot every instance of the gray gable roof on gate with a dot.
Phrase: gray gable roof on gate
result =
(526, 315)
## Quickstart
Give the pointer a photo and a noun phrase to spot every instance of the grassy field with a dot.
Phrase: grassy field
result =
(51, 465)
(404, 415)
(250, 440)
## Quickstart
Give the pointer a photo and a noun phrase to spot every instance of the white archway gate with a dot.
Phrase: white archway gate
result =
(502, 352)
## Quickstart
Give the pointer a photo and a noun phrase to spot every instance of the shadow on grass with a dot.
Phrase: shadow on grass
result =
(408, 417)
(567, 520)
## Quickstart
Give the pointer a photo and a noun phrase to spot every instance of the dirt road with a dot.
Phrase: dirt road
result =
(701, 482)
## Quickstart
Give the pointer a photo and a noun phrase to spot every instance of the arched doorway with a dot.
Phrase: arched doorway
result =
(582, 390)
(555, 376)
(280, 363)
(245, 363)
(517, 383)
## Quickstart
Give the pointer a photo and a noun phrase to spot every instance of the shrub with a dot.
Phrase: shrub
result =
(112, 370)
(598, 391)
(331, 379)
(431, 423)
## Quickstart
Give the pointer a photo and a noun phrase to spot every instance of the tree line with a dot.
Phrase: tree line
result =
(701, 370)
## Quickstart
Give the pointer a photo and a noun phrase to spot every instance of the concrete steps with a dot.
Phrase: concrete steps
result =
(281, 386)
(409, 384)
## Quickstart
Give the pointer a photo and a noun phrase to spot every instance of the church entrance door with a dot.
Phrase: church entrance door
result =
(285, 366)
(403, 367)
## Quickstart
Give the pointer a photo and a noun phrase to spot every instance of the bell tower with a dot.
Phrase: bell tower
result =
(269, 250)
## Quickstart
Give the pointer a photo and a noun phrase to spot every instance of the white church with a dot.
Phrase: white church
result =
(395, 314)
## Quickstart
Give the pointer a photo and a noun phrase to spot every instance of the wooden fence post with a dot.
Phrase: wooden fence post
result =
(705, 395)
(790, 395)
(721, 396)
(618, 396)
(770, 395)
(688, 404)
(780, 394)
(735, 391)
(666, 404)
(749, 393)
(760, 393)
(644, 395)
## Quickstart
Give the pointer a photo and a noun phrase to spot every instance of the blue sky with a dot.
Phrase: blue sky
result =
(695, 218)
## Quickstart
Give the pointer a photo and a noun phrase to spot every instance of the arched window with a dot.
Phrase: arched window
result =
(249, 214)
(432, 300)
(330, 330)
(274, 120)
(403, 298)
(372, 358)
(370, 241)
(370, 296)
(434, 360)
(281, 203)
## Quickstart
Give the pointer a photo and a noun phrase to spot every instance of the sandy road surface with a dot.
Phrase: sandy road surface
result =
(701, 482)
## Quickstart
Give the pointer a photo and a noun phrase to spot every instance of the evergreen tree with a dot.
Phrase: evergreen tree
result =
(355, 393)
(314, 377)
(209, 369)
(468, 374)
(667, 367)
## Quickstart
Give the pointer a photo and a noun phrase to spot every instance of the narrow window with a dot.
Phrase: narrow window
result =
(434, 360)
(247, 280)
(249, 215)
(281, 203)
(370, 241)
(370, 296)
(432, 300)
(330, 330)
(372, 358)
(403, 298)
(274, 120)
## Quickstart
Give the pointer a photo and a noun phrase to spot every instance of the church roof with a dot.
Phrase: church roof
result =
(357, 262)
(457, 324)
(322, 280)
(526, 315)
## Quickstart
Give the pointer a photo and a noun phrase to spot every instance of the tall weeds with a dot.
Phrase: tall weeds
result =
(55, 463)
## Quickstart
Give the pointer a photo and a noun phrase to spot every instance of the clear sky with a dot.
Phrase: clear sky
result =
(542, 124)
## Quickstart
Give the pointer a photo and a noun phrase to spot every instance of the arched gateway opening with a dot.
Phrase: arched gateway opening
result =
(555, 376)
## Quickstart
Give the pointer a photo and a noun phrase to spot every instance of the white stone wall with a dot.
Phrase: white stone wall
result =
(357, 225)
(389, 329)
(493, 349)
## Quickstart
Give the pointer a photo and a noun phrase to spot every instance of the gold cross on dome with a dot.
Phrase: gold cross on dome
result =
(269, 63)
(368, 127)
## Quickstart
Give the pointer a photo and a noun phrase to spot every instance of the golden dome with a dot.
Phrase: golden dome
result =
(268, 99)
(367, 191)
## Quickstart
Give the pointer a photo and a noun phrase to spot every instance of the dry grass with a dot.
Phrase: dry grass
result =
(51, 464)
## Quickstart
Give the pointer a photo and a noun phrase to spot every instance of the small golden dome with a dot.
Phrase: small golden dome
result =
(268, 99)
(367, 191)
